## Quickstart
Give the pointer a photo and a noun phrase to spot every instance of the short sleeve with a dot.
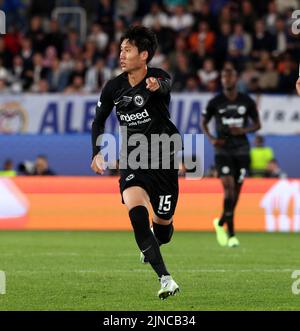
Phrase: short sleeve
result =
(252, 110)
(209, 111)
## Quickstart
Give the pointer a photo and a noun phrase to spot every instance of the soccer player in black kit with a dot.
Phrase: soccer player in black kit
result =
(141, 96)
(231, 111)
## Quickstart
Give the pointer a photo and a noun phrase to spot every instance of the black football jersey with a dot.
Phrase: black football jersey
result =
(228, 113)
(138, 109)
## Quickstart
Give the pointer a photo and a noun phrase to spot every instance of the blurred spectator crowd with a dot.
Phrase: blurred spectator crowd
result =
(41, 54)
(39, 167)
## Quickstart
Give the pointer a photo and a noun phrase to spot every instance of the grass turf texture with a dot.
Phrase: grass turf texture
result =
(101, 271)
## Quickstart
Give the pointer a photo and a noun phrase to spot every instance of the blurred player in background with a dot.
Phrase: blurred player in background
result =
(231, 111)
(141, 95)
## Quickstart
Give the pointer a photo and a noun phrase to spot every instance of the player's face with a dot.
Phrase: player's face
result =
(130, 58)
(228, 79)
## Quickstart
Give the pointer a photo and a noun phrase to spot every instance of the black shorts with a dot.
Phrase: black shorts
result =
(161, 186)
(233, 164)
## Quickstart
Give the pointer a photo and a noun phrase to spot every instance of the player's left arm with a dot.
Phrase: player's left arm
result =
(254, 127)
(255, 121)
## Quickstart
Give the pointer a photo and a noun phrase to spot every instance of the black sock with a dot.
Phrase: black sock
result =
(230, 226)
(145, 239)
(227, 210)
(163, 233)
(227, 216)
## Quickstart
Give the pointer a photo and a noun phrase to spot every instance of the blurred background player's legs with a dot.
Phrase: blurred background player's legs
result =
(231, 195)
(229, 203)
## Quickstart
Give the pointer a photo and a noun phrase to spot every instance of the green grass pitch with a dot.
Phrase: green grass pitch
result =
(101, 271)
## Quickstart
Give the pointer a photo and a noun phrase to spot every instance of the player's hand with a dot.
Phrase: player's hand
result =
(98, 164)
(217, 142)
(235, 131)
(152, 84)
(298, 86)
(181, 169)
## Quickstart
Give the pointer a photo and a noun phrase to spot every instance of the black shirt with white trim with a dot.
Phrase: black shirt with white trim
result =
(228, 113)
(138, 109)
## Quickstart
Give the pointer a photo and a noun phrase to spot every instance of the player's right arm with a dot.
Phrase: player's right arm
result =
(298, 86)
(103, 109)
(159, 83)
(207, 114)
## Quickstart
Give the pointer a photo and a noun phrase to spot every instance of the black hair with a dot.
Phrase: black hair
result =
(229, 71)
(8, 162)
(143, 38)
(260, 139)
(42, 156)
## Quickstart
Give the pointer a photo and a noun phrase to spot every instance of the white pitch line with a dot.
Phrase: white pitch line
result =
(61, 254)
(198, 270)
(147, 270)
(40, 254)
